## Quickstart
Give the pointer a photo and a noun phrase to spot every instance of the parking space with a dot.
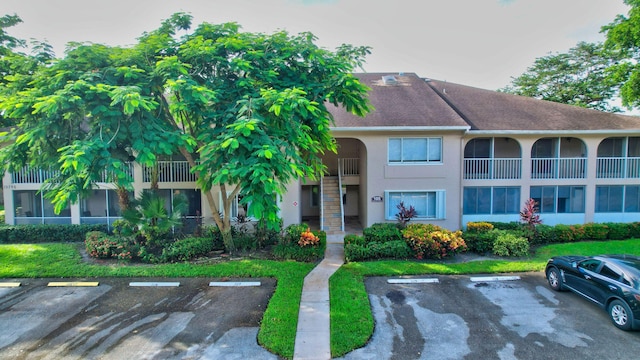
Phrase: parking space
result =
(133, 319)
(457, 317)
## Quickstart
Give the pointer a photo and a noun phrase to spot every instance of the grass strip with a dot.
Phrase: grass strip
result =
(277, 330)
(352, 323)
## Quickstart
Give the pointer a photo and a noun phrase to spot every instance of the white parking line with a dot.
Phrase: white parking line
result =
(10, 284)
(412, 281)
(154, 284)
(494, 278)
(234, 283)
(73, 283)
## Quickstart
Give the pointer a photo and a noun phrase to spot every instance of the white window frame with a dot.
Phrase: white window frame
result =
(402, 161)
(492, 199)
(440, 206)
(234, 208)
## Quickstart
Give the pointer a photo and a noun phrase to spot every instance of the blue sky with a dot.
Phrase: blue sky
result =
(482, 43)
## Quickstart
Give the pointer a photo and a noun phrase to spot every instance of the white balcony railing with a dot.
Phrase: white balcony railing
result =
(349, 166)
(618, 168)
(170, 171)
(558, 168)
(28, 175)
(486, 169)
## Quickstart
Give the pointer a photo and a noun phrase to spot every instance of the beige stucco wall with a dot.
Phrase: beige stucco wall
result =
(377, 176)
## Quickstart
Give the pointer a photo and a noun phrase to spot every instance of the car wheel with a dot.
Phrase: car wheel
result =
(620, 314)
(553, 277)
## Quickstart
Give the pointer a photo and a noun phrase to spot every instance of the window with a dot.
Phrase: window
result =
(617, 198)
(632, 198)
(590, 265)
(611, 147)
(610, 272)
(428, 204)
(506, 200)
(491, 200)
(478, 149)
(559, 199)
(415, 150)
(31, 207)
(239, 209)
(609, 198)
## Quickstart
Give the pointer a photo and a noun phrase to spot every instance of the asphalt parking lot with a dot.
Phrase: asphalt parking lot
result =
(445, 317)
(457, 318)
(116, 320)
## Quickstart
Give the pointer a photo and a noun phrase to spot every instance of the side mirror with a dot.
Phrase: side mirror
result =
(574, 264)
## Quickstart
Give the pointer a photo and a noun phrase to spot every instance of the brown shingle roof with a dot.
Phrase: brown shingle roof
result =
(409, 102)
(418, 102)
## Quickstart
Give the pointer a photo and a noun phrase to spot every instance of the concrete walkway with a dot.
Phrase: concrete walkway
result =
(313, 334)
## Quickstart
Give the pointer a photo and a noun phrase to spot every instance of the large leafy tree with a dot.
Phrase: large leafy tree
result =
(623, 36)
(581, 77)
(13, 63)
(247, 110)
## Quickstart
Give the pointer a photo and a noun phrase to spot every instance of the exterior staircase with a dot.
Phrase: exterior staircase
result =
(332, 206)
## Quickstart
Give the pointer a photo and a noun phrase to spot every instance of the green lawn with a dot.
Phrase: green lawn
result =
(351, 318)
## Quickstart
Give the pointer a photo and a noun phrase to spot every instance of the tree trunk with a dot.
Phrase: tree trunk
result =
(123, 198)
(224, 224)
(227, 239)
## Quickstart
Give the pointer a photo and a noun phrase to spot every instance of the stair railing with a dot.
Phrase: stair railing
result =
(321, 202)
(341, 195)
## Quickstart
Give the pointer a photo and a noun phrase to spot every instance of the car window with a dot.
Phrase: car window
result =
(610, 272)
(590, 264)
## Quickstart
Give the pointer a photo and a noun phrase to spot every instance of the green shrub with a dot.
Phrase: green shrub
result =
(293, 232)
(431, 241)
(214, 233)
(102, 246)
(618, 231)
(513, 225)
(479, 227)
(397, 249)
(382, 232)
(480, 242)
(508, 244)
(634, 230)
(354, 239)
(544, 234)
(266, 236)
(291, 250)
(595, 231)
(187, 249)
(33, 234)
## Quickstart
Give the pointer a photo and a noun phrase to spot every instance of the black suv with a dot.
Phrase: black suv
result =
(611, 281)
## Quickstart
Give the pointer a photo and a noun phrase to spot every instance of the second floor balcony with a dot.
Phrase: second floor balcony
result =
(618, 168)
(487, 169)
(558, 168)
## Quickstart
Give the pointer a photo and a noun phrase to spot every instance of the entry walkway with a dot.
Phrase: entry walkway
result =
(313, 336)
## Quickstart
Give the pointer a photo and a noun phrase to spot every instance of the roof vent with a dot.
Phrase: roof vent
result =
(389, 80)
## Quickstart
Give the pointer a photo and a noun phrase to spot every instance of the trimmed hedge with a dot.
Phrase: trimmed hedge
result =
(187, 249)
(33, 234)
(382, 232)
(397, 249)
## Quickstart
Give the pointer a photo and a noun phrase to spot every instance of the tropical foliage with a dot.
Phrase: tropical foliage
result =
(247, 111)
